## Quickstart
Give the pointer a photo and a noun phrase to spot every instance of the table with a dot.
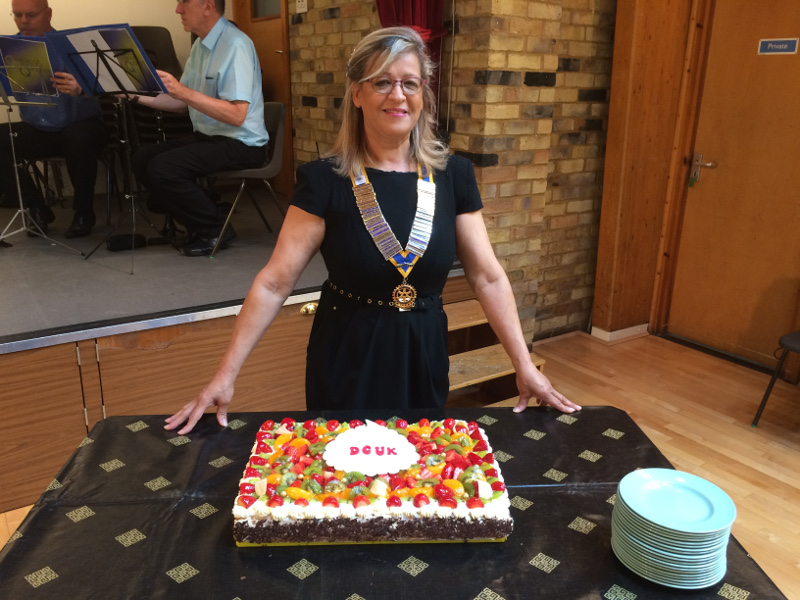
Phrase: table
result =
(139, 512)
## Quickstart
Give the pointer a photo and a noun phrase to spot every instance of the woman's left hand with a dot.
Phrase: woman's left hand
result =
(533, 384)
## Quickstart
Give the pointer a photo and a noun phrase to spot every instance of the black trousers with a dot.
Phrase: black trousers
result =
(170, 171)
(79, 145)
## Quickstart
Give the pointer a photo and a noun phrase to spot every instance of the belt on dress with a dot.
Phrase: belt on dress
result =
(380, 302)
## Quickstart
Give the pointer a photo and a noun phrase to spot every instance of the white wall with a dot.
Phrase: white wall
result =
(79, 13)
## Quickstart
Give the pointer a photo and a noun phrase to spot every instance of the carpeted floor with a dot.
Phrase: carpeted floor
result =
(46, 288)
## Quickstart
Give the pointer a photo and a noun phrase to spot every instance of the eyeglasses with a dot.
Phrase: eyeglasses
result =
(410, 85)
(28, 15)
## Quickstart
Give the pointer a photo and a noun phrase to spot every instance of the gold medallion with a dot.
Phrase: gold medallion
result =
(404, 296)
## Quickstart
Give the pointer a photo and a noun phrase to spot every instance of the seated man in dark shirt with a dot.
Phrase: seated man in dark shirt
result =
(71, 129)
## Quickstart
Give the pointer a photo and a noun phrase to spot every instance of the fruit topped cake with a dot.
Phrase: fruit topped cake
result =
(325, 481)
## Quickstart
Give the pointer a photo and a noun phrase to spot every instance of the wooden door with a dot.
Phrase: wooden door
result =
(737, 276)
(267, 24)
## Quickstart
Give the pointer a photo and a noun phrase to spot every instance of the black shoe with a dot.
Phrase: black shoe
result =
(42, 217)
(82, 224)
(204, 246)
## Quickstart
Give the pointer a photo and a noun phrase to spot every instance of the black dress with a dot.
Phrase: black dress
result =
(362, 353)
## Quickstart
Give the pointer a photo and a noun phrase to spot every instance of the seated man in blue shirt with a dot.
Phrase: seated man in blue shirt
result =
(71, 129)
(221, 88)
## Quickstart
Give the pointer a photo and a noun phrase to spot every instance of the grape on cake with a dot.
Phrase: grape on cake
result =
(327, 482)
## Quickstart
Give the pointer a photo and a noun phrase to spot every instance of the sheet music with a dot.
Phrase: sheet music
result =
(83, 43)
(107, 58)
(26, 66)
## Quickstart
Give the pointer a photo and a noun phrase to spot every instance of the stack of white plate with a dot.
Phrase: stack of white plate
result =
(672, 528)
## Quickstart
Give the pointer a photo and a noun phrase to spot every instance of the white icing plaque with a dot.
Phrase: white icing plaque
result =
(372, 450)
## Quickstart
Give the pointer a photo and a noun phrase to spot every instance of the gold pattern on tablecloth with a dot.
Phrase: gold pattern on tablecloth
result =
(590, 456)
(354, 597)
(157, 483)
(14, 537)
(534, 435)
(582, 525)
(220, 462)
(112, 465)
(569, 420)
(54, 485)
(503, 456)
(487, 420)
(487, 594)
(182, 572)
(612, 500)
(85, 442)
(413, 566)
(137, 426)
(616, 592)
(129, 538)
(520, 503)
(179, 441)
(544, 562)
(79, 514)
(555, 475)
(731, 592)
(203, 511)
(41, 576)
(613, 433)
(302, 569)
(236, 424)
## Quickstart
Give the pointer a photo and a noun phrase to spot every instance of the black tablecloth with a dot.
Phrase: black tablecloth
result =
(139, 512)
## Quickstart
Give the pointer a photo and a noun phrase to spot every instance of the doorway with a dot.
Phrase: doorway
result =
(737, 275)
(266, 22)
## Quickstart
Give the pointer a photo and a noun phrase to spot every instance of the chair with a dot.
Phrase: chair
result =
(157, 43)
(790, 343)
(41, 177)
(150, 126)
(275, 120)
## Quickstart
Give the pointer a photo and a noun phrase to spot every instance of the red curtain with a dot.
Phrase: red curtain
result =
(426, 17)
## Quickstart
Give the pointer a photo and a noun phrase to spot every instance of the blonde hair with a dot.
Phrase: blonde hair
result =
(380, 49)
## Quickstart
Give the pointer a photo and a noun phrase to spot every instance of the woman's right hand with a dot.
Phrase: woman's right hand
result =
(214, 394)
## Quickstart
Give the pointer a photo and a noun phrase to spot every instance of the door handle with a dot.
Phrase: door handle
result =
(697, 165)
(278, 51)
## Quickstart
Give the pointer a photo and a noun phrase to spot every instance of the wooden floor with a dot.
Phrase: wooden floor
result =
(697, 409)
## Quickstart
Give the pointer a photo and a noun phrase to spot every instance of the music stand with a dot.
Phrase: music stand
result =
(121, 72)
(27, 224)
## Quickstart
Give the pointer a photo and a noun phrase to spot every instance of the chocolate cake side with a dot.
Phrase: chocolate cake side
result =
(384, 529)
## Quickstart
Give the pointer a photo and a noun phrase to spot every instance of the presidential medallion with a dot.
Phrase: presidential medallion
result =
(404, 296)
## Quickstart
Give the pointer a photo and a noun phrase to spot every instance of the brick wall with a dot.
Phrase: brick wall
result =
(320, 42)
(526, 101)
(572, 211)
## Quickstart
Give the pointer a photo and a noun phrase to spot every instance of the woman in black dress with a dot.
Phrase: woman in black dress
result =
(389, 210)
